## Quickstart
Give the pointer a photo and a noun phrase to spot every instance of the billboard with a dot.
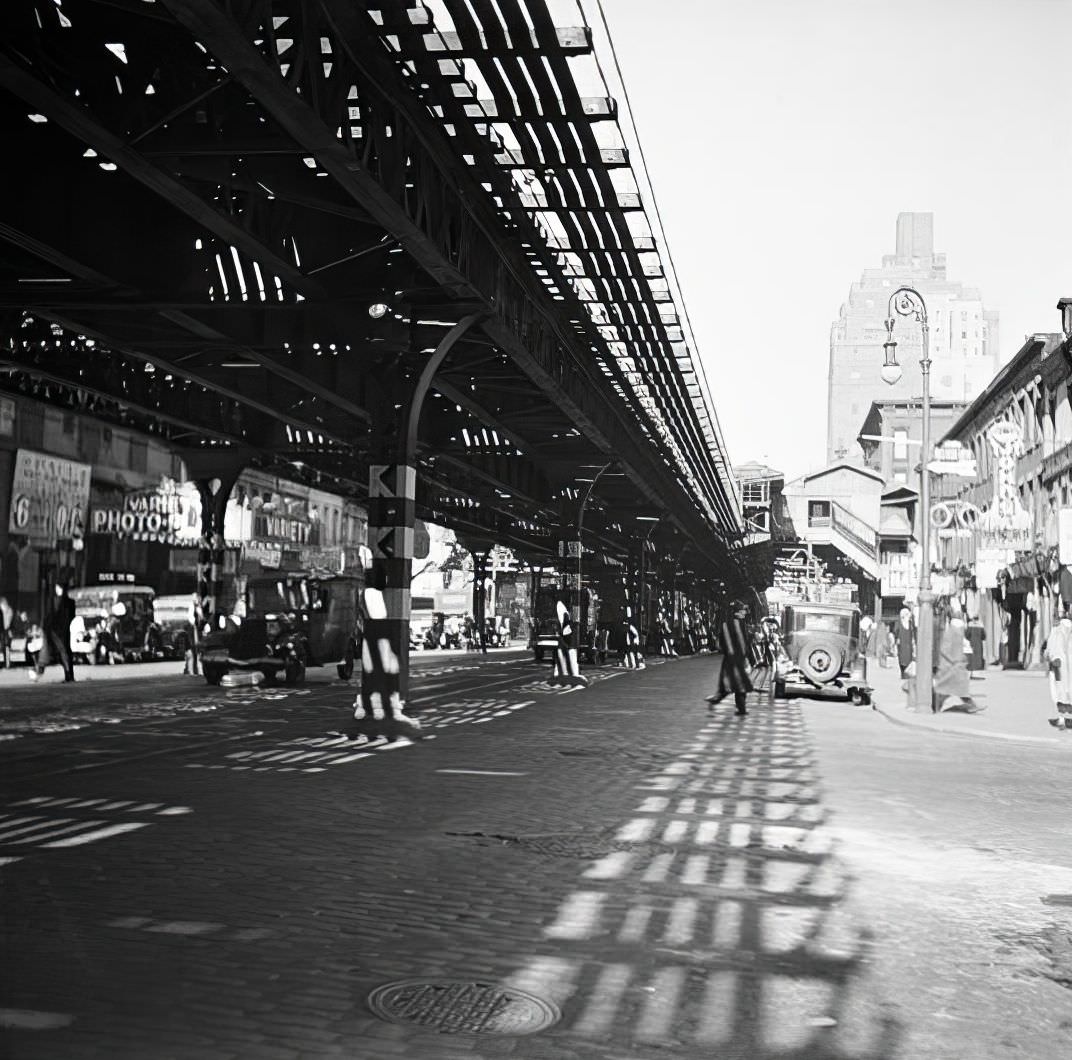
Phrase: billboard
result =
(49, 498)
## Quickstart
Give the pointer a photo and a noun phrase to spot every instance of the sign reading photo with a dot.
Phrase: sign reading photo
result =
(169, 513)
(49, 498)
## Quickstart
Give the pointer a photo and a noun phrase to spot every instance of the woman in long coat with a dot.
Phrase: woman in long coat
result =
(951, 680)
(733, 674)
(906, 640)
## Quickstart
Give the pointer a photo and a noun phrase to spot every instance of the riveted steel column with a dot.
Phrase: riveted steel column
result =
(392, 515)
(214, 474)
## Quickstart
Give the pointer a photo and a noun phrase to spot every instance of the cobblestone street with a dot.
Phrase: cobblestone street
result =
(673, 883)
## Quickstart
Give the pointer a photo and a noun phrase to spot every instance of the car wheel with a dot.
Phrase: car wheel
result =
(821, 663)
(213, 674)
(538, 653)
(779, 690)
(346, 667)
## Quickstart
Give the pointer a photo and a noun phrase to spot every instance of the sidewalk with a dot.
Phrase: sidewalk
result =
(1016, 704)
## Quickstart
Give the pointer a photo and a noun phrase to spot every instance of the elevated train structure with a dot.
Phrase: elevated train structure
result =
(407, 251)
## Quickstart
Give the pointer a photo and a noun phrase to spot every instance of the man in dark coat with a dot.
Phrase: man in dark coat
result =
(58, 631)
(733, 676)
(906, 640)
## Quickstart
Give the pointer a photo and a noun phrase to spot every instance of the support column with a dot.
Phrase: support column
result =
(385, 639)
(214, 472)
(568, 614)
(382, 703)
(480, 597)
(632, 651)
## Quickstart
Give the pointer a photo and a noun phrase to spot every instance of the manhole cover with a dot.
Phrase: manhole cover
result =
(458, 1005)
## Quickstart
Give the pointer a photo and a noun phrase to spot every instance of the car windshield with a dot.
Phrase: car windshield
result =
(270, 598)
(817, 622)
(91, 601)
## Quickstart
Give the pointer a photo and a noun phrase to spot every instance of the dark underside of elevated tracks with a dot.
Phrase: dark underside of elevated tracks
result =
(204, 199)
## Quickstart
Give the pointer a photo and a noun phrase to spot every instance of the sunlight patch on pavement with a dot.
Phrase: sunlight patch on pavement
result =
(579, 916)
(551, 977)
(636, 831)
(605, 999)
(660, 1009)
(610, 867)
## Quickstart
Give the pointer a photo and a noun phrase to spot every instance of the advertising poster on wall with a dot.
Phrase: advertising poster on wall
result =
(49, 498)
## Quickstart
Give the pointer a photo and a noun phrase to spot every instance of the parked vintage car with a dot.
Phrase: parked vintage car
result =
(284, 622)
(114, 623)
(175, 617)
(820, 649)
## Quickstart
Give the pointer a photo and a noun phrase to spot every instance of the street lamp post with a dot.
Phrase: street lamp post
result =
(908, 302)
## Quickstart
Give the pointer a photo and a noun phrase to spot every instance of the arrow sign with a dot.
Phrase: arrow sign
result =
(391, 542)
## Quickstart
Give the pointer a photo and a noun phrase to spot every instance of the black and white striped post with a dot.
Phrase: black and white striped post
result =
(382, 704)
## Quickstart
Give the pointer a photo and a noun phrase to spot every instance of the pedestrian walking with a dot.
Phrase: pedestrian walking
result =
(733, 675)
(191, 661)
(951, 688)
(57, 640)
(976, 635)
(1059, 657)
(905, 635)
(867, 625)
(7, 616)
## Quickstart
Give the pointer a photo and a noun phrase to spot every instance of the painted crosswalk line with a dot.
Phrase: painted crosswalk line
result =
(44, 822)
(318, 754)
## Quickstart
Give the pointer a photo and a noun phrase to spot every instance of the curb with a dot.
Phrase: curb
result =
(983, 734)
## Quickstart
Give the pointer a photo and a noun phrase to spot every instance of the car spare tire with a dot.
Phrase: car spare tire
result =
(821, 661)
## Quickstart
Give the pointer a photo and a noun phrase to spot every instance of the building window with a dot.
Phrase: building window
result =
(963, 334)
(900, 444)
(818, 513)
(755, 493)
(900, 476)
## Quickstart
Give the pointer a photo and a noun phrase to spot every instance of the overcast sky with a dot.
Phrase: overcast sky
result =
(783, 137)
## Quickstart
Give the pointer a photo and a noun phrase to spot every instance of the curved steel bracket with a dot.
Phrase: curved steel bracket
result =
(407, 442)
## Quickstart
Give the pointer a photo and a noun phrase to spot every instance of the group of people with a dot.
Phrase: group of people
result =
(957, 650)
(454, 632)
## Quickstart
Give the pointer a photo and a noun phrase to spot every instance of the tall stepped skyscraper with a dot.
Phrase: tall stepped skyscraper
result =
(963, 337)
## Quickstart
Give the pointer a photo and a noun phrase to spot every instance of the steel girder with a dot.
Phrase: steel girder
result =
(299, 173)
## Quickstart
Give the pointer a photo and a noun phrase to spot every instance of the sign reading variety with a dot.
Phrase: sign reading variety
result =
(49, 498)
